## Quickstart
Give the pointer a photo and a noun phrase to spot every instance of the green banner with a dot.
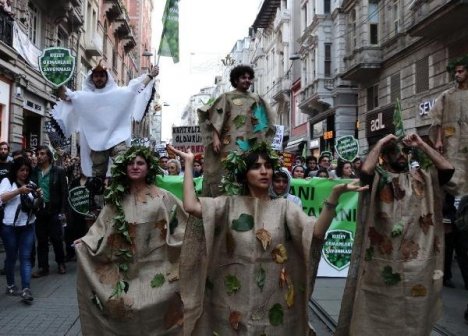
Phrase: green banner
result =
(169, 45)
(57, 65)
(336, 252)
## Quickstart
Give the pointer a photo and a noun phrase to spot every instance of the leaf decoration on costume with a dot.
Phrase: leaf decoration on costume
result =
(409, 249)
(290, 296)
(95, 299)
(175, 312)
(260, 277)
(245, 222)
(173, 221)
(234, 319)
(162, 226)
(418, 290)
(120, 308)
(276, 314)
(108, 274)
(436, 245)
(425, 221)
(386, 194)
(283, 278)
(264, 237)
(120, 288)
(123, 267)
(245, 145)
(369, 254)
(259, 118)
(232, 284)
(230, 244)
(279, 254)
(125, 254)
(158, 280)
(226, 139)
(389, 277)
(397, 229)
(385, 246)
(398, 193)
(239, 121)
(173, 273)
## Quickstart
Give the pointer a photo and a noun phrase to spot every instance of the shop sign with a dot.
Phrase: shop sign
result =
(328, 135)
(347, 147)
(380, 123)
(57, 65)
(277, 143)
(425, 107)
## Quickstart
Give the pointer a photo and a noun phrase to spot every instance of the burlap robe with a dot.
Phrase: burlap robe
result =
(450, 112)
(143, 310)
(206, 263)
(231, 115)
(370, 306)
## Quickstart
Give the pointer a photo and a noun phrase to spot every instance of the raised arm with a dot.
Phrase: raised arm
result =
(414, 140)
(373, 157)
(153, 73)
(191, 203)
(328, 211)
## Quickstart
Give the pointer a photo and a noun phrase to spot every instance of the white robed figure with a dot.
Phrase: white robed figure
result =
(102, 113)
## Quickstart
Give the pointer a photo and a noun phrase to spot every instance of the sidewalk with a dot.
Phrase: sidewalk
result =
(328, 293)
(54, 311)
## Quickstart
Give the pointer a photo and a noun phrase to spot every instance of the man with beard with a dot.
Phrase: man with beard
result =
(102, 113)
(395, 276)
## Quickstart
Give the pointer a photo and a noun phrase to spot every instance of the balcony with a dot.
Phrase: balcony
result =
(121, 28)
(363, 64)
(315, 97)
(281, 90)
(129, 42)
(113, 9)
(6, 28)
(438, 19)
(266, 13)
(281, 17)
(94, 42)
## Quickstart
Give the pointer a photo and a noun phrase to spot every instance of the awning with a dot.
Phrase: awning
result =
(293, 145)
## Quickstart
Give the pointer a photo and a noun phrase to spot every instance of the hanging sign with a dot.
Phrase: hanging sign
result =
(57, 65)
(347, 147)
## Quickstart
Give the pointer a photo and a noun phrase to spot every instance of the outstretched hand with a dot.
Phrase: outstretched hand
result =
(187, 156)
(154, 71)
(353, 186)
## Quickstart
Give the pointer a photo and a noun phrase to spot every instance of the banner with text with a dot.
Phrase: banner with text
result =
(184, 137)
(336, 252)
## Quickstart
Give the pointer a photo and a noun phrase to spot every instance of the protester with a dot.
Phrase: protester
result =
(357, 163)
(323, 173)
(197, 168)
(298, 172)
(395, 277)
(5, 166)
(280, 185)
(248, 257)
(344, 169)
(21, 198)
(173, 167)
(128, 270)
(311, 166)
(163, 164)
(234, 122)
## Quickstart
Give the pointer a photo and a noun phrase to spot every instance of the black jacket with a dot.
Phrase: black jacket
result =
(58, 189)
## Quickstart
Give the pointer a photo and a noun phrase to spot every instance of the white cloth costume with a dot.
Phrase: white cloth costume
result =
(103, 117)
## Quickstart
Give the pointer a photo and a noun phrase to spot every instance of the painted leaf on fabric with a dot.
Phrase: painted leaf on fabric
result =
(425, 222)
(259, 118)
(239, 120)
(418, 290)
(283, 278)
(409, 249)
(279, 254)
(398, 193)
(386, 246)
(245, 222)
(120, 288)
(290, 296)
(374, 237)
(234, 319)
(260, 277)
(389, 277)
(264, 237)
(226, 139)
(158, 280)
(245, 145)
(397, 229)
(230, 244)
(386, 194)
(95, 299)
(276, 314)
(232, 284)
(175, 312)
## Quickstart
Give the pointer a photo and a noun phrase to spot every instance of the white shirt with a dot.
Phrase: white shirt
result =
(12, 205)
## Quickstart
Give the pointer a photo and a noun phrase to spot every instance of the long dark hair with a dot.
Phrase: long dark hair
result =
(250, 160)
(16, 166)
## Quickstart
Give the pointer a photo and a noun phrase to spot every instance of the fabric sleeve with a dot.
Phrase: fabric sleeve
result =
(177, 221)
(437, 110)
(218, 112)
(445, 175)
(97, 231)
(5, 186)
(366, 179)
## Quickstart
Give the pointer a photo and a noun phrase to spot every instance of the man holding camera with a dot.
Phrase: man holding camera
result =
(52, 181)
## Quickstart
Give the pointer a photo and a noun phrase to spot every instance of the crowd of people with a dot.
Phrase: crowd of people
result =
(243, 257)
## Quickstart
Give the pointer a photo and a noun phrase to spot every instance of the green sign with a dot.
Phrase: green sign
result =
(79, 200)
(347, 147)
(57, 65)
(337, 248)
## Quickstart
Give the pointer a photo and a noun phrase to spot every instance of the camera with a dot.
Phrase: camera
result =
(31, 185)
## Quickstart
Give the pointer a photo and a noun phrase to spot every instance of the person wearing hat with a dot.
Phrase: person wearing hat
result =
(102, 113)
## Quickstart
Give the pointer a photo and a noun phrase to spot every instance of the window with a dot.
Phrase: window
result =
(304, 16)
(62, 38)
(34, 24)
(104, 42)
(395, 88)
(326, 6)
(372, 97)
(299, 117)
(328, 60)
(352, 29)
(422, 75)
(395, 14)
(373, 17)
(114, 60)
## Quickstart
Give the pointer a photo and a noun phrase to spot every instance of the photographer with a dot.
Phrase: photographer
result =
(20, 198)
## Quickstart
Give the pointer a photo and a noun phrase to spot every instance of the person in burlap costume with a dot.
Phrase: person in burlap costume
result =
(395, 277)
(128, 271)
(233, 122)
(248, 266)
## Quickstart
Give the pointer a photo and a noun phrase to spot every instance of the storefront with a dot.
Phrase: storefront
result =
(33, 115)
(379, 123)
(5, 89)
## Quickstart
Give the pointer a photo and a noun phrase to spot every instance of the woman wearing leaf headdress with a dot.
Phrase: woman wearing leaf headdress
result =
(128, 262)
(250, 266)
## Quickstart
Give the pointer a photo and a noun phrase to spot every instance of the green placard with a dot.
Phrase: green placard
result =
(57, 65)
(347, 147)
(79, 200)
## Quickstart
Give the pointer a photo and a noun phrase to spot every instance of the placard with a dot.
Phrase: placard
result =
(57, 65)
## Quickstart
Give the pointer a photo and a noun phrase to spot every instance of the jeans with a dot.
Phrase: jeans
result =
(48, 226)
(18, 240)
